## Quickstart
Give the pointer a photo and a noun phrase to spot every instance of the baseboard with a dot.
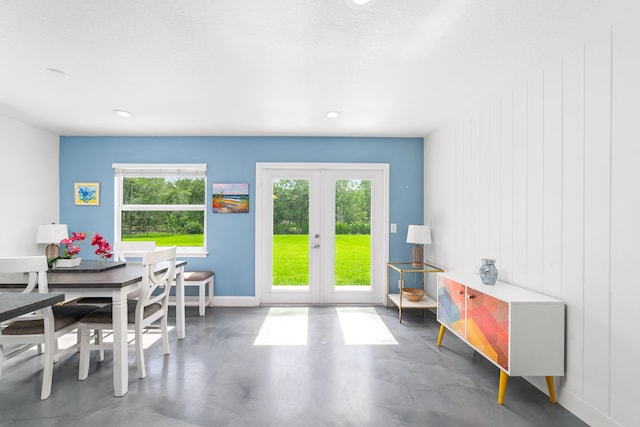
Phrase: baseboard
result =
(587, 413)
(575, 405)
(235, 301)
(221, 301)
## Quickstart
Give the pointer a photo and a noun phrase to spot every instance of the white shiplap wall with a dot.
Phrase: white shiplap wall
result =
(544, 177)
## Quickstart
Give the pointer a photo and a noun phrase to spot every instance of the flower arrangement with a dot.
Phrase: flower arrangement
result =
(104, 248)
(71, 249)
(72, 246)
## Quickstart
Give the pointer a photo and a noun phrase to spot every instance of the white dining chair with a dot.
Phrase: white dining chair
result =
(42, 327)
(123, 251)
(150, 307)
(201, 280)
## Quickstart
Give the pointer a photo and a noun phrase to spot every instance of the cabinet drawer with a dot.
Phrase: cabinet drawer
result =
(487, 326)
(451, 305)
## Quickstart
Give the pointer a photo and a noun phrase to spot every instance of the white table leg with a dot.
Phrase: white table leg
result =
(180, 320)
(120, 359)
(50, 347)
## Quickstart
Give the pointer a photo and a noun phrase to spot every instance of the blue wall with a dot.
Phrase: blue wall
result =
(230, 239)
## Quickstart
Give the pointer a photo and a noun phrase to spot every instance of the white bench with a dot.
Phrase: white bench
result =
(199, 278)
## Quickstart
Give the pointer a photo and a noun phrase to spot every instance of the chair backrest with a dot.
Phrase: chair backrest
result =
(124, 250)
(155, 287)
(35, 267)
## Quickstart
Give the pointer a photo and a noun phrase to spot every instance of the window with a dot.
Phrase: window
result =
(164, 203)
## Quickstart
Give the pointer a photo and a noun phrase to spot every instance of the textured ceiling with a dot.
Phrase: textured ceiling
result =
(271, 67)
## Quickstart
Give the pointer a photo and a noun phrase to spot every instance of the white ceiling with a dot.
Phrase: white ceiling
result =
(271, 67)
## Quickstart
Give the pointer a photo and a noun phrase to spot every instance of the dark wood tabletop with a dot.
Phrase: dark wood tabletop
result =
(106, 279)
(13, 304)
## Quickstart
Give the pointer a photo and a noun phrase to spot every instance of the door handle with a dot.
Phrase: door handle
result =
(315, 246)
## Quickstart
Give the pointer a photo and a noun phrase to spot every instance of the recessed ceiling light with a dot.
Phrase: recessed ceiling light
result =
(122, 113)
(55, 71)
(333, 114)
(361, 2)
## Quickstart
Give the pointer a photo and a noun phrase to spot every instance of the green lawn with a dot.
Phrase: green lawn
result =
(291, 260)
(291, 257)
(167, 239)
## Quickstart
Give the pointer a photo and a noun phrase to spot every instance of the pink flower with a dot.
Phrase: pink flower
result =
(104, 249)
(71, 250)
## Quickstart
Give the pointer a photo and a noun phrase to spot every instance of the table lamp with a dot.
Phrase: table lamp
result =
(51, 234)
(420, 235)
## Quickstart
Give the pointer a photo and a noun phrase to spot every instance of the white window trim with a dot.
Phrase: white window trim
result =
(129, 170)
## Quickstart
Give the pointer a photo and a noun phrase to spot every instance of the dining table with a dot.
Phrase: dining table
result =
(114, 280)
(16, 304)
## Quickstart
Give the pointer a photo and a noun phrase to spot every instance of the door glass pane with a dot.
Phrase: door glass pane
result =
(290, 233)
(353, 233)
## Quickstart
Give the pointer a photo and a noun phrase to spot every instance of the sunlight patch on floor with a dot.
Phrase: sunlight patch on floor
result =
(363, 326)
(284, 326)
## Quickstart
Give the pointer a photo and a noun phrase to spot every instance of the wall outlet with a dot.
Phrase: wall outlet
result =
(394, 228)
(400, 283)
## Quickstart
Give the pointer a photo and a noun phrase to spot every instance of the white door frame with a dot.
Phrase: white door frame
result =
(264, 202)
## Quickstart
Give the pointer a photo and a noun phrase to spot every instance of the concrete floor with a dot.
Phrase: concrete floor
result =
(218, 377)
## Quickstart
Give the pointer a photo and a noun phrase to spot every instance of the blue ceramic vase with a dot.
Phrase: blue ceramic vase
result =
(488, 271)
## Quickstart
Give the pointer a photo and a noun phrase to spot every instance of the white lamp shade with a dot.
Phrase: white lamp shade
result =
(419, 234)
(52, 233)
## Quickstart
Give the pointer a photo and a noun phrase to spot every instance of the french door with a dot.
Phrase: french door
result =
(321, 232)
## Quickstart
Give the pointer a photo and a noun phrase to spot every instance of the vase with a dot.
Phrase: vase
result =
(488, 271)
(67, 262)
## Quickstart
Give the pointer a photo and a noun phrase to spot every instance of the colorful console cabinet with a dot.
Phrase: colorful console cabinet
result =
(518, 330)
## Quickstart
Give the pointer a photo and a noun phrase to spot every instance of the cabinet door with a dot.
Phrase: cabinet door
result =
(451, 305)
(488, 326)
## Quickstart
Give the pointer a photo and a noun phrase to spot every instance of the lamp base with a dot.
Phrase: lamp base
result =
(416, 261)
(52, 251)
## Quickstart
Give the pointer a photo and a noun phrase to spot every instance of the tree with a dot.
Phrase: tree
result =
(290, 206)
(144, 191)
(353, 206)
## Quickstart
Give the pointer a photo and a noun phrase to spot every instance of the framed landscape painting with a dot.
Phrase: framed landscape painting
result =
(231, 198)
(86, 193)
